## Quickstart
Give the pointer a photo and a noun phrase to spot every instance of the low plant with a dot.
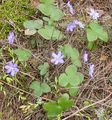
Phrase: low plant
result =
(95, 32)
(46, 27)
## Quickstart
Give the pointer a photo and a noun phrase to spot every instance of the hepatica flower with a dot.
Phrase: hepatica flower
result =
(91, 71)
(71, 26)
(11, 37)
(70, 8)
(57, 58)
(80, 24)
(85, 57)
(11, 68)
(94, 14)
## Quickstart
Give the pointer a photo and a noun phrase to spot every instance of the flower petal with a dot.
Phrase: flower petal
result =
(12, 73)
(54, 55)
(61, 61)
(70, 8)
(8, 71)
(56, 62)
(53, 60)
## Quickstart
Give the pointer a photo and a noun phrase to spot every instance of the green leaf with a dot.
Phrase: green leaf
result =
(52, 11)
(45, 88)
(73, 54)
(46, 9)
(23, 54)
(65, 103)
(103, 35)
(72, 79)
(33, 24)
(90, 45)
(76, 62)
(50, 33)
(95, 26)
(99, 30)
(47, 1)
(36, 87)
(73, 90)
(63, 80)
(52, 108)
(71, 76)
(40, 88)
(79, 77)
(56, 15)
(43, 68)
(70, 70)
(56, 108)
(91, 35)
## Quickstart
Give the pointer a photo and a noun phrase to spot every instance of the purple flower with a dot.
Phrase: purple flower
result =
(57, 58)
(11, 37)
(71, 26)
(91, 71)
(70, 8)
(11, 68)
(95, 15)
(77, 22)
(85, 57)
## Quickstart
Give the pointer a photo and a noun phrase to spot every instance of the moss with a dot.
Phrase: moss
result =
(15, 11)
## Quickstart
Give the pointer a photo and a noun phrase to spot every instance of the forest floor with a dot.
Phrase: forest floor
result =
(94, 99)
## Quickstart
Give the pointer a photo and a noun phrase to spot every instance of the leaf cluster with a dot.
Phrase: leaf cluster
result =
(40, 88)
(23, 54)
(51, 14)
(54, 108)
(96, 31)
(71, 79)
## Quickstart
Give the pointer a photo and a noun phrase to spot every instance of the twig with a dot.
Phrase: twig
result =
(100, 101)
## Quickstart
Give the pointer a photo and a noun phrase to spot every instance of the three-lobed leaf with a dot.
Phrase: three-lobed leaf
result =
(71, 76)
(50, 33)
(43, 68)
(23, 54)
(99, 30)
(36, 87)
(54, 108)
(52, 11)
(95, 31)
(40, 88)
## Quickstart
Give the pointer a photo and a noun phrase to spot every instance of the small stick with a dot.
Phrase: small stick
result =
(98, 102)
